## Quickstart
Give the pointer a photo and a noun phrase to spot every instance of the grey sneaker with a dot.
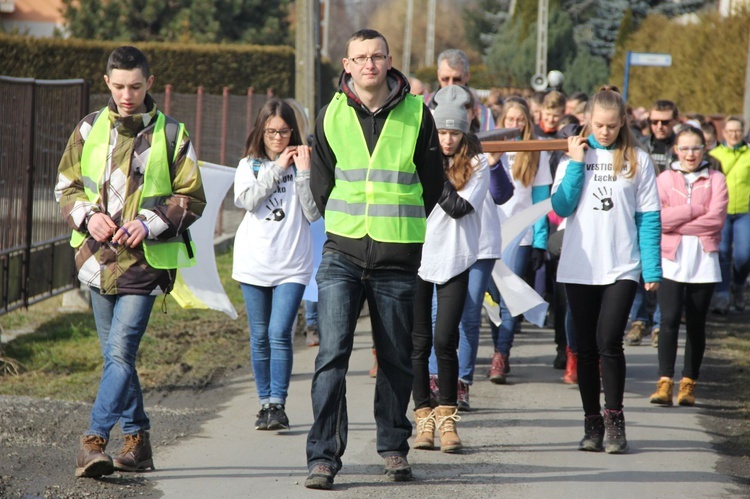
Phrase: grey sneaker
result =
(261, 421)
(397, 468)
(320, 477)
(614, 423)
(277, 418)
(593, 434)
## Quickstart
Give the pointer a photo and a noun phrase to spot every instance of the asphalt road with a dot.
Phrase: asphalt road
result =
(520, 440)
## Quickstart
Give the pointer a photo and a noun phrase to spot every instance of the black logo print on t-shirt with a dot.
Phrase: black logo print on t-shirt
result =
(605, 196)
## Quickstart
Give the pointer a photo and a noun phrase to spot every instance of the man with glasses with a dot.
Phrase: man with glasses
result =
(453, 69)
(376, 174)
(661, 119)
(734, 249)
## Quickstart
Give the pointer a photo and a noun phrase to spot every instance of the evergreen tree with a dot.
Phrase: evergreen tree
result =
(513, 55)
(263, 22)
(482, 20)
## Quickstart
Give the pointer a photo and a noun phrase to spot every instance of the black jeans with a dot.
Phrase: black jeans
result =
(451, 297)
(343, 287)
(697, 299)
(600, 314)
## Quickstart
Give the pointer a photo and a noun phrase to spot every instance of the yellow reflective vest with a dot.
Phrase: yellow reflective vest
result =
(378, 195)
(174, 253)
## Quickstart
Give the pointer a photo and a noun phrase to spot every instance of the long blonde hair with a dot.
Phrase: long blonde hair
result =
(525, 164)
(625, 150)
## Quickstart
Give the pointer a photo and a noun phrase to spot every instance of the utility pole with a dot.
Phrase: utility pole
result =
(305, 49)
(326, 28)
(541, 37)
(429, 53)
(406, 59)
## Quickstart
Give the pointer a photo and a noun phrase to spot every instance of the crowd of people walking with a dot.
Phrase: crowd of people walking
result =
(644, 231)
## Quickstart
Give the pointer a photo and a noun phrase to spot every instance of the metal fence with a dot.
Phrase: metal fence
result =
(36, 261)
(38, 116)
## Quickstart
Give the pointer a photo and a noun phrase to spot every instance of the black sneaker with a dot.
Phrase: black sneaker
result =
(397, 468)
(320, 477)
(593, 434)
(614, 423)
(277, 419)
(561, 359)
(262, 422)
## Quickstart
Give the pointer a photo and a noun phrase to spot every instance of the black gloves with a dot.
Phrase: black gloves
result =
(537, 258)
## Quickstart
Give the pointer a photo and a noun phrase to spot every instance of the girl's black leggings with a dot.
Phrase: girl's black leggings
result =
(451, 297)
(600, 314)
(696, 299)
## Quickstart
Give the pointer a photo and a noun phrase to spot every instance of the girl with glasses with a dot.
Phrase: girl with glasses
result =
(531, 181)
(273, 258)
(693, 209)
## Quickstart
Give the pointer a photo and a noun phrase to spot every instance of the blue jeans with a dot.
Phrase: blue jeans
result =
(507, 330)
(639, 310)
(343, 286)
(735, 245)
(121, 321)
(468, 343)
(311, 313)
(271, 312)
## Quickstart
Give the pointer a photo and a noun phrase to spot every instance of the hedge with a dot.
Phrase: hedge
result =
(186, 67)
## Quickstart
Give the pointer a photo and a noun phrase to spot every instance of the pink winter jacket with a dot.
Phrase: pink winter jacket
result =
(701, 212)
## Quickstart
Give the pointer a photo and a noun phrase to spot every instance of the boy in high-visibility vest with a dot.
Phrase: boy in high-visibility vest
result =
(129, 186)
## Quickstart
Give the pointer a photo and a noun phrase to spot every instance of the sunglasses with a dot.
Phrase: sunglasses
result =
(662, 122)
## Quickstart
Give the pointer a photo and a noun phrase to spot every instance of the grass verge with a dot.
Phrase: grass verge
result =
(181, 349)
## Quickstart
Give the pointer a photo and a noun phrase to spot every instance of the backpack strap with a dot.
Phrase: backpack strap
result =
(172, 132)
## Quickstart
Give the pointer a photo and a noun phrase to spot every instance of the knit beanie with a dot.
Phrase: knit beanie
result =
(450, 113)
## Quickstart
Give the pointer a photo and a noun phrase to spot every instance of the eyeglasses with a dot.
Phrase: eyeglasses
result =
(733, 131)
(362, 59)
(452, 80)
(662, 122)
(283, 132)
(693, 149)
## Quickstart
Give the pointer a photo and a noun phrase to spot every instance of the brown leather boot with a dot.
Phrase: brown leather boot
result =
(425, 419)
(686, 395)
(136, 453)
(446, 416)
(92, 462)
(663, 393)
(571, 368)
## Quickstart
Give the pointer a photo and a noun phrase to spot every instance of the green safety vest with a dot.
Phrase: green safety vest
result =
(174, 253)
(379, 195)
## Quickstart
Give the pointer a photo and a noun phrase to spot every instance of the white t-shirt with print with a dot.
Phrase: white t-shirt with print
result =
(521, 198)
(601, 240)
(692, 264)
(451, 244)
(273, 244)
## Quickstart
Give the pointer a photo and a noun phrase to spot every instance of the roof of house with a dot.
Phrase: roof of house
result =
(38, 10)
